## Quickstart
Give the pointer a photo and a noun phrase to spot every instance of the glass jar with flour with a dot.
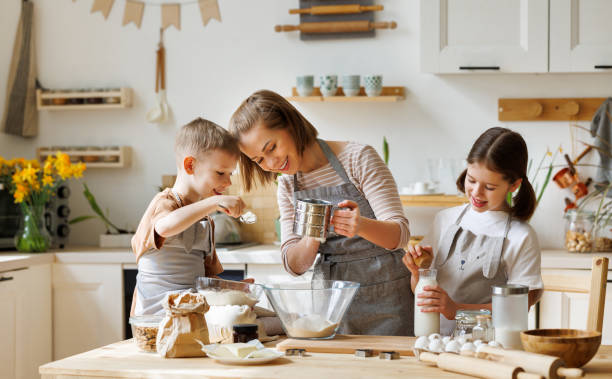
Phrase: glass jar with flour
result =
(425, 323)
(510, 310)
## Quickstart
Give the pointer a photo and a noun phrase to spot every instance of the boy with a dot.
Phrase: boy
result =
(174, 241)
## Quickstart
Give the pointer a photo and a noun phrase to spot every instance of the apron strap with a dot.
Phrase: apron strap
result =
(458, 221)
(333, 161)
(449, 238)
(490, 267)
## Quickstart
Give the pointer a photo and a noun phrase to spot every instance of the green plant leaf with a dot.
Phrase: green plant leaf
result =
(96, 208)
(386, 151)
(81, 218)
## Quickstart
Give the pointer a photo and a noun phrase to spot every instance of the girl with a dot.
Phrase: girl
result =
(485, 242)
(366, 248)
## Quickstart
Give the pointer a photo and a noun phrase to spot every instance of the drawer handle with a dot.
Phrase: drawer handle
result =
(603, 66)
(5, 278)
(478, 67)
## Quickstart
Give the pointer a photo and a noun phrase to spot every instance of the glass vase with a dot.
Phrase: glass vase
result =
(32, 235)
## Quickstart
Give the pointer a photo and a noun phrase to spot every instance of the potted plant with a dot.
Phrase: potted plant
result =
(114, 236)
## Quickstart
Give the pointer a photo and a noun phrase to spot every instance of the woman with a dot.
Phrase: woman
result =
(366, 246)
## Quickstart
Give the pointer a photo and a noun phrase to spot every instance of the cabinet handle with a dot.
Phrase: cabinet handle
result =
(603, 66)
(5, 278)
(478, 67)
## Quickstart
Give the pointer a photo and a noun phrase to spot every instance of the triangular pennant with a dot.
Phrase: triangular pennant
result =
(133, 12)
(209, 9)
(171, 15)
(103, 6)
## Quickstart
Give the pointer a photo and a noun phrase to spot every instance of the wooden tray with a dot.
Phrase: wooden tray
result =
(347, 344)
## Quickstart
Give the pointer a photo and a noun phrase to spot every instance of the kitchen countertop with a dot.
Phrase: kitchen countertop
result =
(258, 254)
(123, 360)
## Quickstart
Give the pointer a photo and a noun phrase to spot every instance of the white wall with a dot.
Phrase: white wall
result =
(211, 70)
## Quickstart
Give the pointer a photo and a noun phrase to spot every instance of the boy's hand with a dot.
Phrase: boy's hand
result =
(248, 280)
(232, 205)
(346, 222)
(435, 299)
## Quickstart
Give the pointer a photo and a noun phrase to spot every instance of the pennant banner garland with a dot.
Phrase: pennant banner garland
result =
(170, 11)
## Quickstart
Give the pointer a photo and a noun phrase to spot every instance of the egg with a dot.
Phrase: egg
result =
(446, 340)
(422, 343)
(434, 336)
(496, 344)
(479, 350)
(452, 347)
(478, 343)
(468, 348)
(461, 339)
(436, 346)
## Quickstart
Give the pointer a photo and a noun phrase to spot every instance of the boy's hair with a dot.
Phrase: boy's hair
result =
(274, 112)
(504, 151)
(200, 136)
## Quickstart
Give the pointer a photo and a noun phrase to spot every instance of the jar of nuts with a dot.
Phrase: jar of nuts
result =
(579, 231)
(144, 331)
(602, 235)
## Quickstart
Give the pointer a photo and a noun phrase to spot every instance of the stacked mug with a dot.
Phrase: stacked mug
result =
(350, 85)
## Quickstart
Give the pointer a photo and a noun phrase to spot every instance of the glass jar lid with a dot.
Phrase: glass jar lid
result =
(574, 214)
(509, 289)
(146, 320)
(469, 315)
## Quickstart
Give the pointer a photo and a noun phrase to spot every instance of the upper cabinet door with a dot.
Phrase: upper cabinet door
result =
(580, 35)
(461, 36)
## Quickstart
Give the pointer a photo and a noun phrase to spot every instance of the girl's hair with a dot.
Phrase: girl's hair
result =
(274, 112)
(504, 151)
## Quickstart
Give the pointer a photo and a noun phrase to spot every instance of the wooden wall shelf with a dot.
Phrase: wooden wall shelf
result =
(553, 109)
(83, 100)
(93, 157)
(388, 94)
(432, 200)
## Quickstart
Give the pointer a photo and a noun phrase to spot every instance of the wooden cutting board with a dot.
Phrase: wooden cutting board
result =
(347, 344)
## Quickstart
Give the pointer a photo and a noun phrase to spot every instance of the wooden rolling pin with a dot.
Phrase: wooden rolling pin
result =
(337, 9)
(480, 368)
(545, 365)
(336, 26)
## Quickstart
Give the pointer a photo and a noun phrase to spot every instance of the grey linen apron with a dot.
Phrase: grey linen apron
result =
(174, 267)
(468, 265)
(384, 304)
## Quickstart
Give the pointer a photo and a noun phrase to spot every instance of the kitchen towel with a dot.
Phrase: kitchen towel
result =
(20, 116)
(601, 128)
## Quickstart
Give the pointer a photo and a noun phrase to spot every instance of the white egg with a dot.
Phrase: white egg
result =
(478, 343)
(496, 344)
(446, 339)
(436, 346)
(422, 343)
(434, 336)
(461, 339)
(452, 347)
(468, 346)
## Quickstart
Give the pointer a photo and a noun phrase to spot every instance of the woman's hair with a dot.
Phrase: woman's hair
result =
(274, 112)
(200, 136)
(504, 151)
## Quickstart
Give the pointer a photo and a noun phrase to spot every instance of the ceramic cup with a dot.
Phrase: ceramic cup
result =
(329, 85)
(350, 85)
(305, 85)
(372, 84)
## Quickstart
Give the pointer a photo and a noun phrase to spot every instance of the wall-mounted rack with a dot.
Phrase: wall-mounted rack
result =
(388, 95)
(84, 100)
(551, 109)
(92, 156)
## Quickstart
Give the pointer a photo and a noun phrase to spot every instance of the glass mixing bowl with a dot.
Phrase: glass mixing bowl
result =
(311, 310)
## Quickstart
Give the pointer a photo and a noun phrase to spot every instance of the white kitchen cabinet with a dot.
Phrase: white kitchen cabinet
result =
(580, 35)
(87, 307)
(463, 36)
(25, 321)
(569, 310)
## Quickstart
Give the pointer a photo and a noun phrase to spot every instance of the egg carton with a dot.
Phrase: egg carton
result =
(435, 343)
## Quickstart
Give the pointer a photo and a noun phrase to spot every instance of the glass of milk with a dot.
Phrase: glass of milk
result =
(510, 308)
(425, 323)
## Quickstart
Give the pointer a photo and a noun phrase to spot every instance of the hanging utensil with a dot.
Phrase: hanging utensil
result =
(156, 114)
(163, 101)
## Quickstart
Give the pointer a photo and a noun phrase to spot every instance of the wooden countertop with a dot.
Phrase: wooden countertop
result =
(123, 360)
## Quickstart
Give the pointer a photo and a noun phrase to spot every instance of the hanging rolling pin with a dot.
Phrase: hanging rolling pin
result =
(337, 9)
(336, 27)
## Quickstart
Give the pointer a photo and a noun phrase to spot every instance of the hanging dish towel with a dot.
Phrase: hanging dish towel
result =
(601, 126)
(20, 115)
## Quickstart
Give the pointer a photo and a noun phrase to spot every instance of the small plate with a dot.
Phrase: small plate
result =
(244, 361)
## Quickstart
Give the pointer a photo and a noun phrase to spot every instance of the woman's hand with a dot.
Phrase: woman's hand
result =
(412, 252)
(346, 222)
(435, 299)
